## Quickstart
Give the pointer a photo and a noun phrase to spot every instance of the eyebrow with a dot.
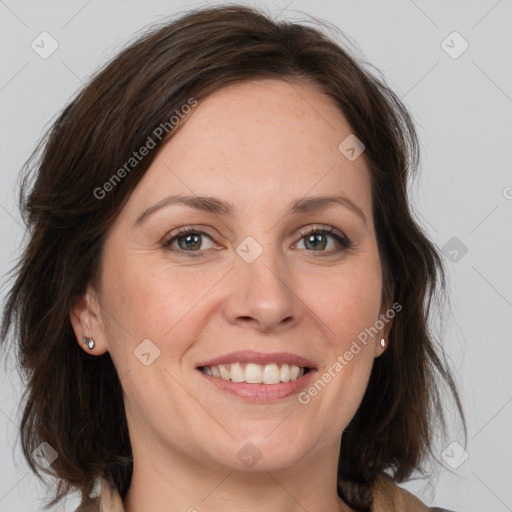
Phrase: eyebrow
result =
(221, 207)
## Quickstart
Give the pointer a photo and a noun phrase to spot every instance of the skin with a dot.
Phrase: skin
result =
(259, 145)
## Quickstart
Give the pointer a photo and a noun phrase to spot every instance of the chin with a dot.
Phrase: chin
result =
(257, 453)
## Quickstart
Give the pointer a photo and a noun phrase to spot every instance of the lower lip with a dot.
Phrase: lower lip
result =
(261, 392)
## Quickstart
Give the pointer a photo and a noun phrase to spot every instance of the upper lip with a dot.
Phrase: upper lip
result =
(251, 356)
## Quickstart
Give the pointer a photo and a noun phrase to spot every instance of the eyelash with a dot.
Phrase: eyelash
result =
(342, 240)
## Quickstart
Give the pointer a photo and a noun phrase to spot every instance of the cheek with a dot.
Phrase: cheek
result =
(150, 298)
(347, 308)
(348, 301)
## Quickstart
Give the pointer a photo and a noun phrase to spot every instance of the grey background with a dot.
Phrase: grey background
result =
(463, 110)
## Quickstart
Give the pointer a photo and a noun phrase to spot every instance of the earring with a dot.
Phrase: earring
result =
(382, 342)
(89, 342)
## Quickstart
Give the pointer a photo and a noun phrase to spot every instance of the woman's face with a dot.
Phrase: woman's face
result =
(250, 279)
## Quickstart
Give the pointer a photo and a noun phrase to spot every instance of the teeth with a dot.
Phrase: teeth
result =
(255, 373)
(224, 374)
(285, 373)
(237, 373)
(271, 374)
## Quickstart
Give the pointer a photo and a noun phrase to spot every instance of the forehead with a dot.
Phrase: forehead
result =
(258, 143)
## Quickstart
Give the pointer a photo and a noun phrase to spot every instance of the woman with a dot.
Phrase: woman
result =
(224, 300)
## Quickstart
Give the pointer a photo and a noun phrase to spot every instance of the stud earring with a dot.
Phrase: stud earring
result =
(89, 342)
(382, 342)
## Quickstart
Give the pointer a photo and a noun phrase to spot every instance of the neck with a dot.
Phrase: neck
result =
(179, 483)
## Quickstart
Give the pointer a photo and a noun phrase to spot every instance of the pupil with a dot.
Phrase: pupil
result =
(312, 238)
(189, 238)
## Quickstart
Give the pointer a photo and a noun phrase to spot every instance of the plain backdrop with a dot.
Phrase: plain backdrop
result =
(450, 62)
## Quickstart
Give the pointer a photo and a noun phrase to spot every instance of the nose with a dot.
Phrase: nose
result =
(262, 294)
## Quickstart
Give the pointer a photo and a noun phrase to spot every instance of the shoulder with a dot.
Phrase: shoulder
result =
(91, 506)
(388, 496)
(109, 500)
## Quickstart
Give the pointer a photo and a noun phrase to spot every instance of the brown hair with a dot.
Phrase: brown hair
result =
(74, 401)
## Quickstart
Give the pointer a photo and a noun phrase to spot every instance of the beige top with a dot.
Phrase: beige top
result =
(387, 497)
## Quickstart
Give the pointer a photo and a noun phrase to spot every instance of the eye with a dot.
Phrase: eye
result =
(316, 237)
(188, 239)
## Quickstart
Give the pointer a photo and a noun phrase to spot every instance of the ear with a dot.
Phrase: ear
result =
(86, 319)
(384, 323)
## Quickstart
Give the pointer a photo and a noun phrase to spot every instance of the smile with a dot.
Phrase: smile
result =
(251, 387)
(253, 373)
